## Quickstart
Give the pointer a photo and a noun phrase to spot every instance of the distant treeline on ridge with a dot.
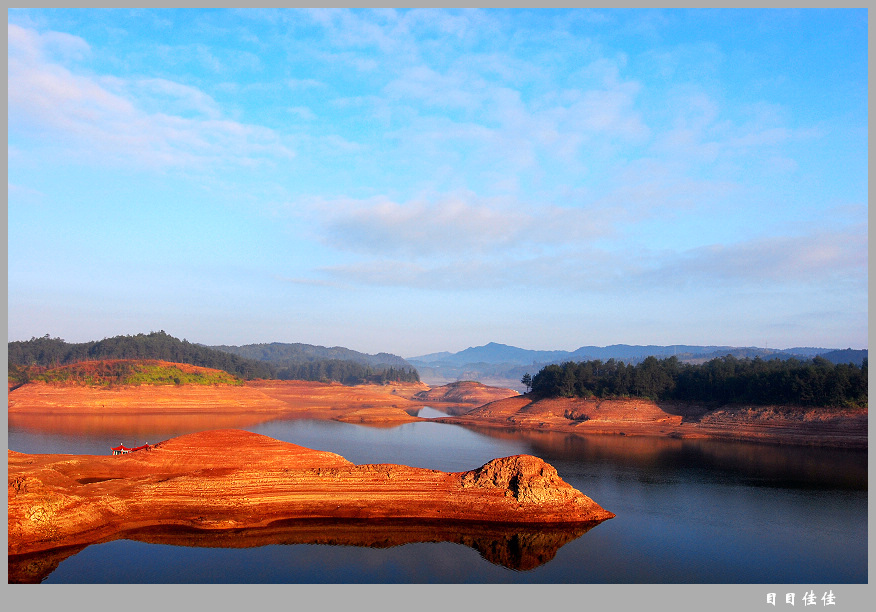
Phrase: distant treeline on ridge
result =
(723, 380)
(50, 352)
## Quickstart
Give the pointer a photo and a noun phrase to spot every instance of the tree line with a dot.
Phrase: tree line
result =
(346, 372)
(48, 352)
(723, 380)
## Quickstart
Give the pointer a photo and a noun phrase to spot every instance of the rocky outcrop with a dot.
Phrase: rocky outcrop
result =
(232, 479)
(522, 478)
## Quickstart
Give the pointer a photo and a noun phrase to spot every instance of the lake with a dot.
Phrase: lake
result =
(688, 511)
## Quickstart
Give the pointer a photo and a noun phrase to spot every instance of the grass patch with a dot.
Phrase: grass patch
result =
(129, 372)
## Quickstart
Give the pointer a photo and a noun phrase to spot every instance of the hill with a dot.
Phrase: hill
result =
(277, 361)
(279, 353)
(848, 355)
(51, 352)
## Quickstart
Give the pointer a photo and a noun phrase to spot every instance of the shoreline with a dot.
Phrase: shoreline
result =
(791, 425)
(396, 404)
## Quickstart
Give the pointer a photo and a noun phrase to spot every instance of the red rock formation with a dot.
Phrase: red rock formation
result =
(231, 479)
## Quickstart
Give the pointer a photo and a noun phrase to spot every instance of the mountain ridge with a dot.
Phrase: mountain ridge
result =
(503, 365)
(497, 353)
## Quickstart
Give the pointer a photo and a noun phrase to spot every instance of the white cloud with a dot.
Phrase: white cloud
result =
(30, 45)
(154, 121)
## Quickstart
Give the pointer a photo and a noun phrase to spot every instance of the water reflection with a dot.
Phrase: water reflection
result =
(744, 462)
(687, 511)
(427, 412)
(90, 434)
(512, 547)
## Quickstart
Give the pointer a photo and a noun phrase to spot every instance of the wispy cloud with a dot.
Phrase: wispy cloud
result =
(19, 193)
(456, 226)
(819, 257)
(154, 121)
(830, 257)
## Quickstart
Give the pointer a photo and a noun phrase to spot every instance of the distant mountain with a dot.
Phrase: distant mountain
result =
(489, 353)
(636, 353)
(433, 357)
(848, 355)
(504, 365)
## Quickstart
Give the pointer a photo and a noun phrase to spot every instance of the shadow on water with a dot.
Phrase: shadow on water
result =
(512, 547)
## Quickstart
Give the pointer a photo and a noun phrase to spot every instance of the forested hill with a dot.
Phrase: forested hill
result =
(724, 380)
(50, 352)
(279, 353)
(297, 361)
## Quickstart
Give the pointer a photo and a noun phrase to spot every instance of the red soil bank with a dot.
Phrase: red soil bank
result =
(836, 427)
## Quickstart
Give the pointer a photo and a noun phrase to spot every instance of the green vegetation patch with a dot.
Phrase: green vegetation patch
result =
(111, 373)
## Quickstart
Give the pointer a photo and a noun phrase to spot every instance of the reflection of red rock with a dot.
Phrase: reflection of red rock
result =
(235, 479)
(520, 548)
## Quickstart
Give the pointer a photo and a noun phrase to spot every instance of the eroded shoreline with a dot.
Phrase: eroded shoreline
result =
(35, 405)
(806, 426)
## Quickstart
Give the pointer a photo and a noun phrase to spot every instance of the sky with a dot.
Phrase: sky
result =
(414, 181)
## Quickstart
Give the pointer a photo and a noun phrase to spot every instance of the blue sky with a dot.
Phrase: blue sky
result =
(421, 180)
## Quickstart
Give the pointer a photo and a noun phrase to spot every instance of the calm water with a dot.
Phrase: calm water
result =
(687, 512)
